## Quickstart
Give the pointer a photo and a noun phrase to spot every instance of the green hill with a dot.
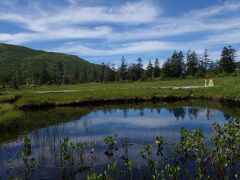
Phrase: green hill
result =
(20, 66)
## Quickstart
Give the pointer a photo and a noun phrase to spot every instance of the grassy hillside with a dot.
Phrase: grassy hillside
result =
(23, 66)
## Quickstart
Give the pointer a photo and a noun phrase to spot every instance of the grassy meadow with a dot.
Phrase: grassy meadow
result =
(225, 88)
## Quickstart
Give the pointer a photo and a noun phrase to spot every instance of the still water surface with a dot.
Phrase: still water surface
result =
(139, 123)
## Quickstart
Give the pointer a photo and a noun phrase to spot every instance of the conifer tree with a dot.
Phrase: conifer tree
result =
(156, 69)
(227, 61)
(192, 62)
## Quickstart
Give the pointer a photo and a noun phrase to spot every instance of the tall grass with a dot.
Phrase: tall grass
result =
(8, 113)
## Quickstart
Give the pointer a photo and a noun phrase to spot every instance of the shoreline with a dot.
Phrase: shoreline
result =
(226, 91)
(133, 100)
(22, 123)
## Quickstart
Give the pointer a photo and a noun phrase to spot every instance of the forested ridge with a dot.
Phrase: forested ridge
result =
(24, 66)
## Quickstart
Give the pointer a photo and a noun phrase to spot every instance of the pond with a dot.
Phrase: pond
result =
(140, 123)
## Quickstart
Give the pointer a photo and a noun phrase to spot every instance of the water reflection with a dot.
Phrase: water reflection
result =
(140, 124)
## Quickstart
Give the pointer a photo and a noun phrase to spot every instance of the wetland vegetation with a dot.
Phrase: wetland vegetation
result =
(189, 139)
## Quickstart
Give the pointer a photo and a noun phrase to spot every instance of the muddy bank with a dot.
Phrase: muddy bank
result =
(135, 100)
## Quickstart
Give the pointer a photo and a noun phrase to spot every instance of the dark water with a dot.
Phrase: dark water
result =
(139, 123)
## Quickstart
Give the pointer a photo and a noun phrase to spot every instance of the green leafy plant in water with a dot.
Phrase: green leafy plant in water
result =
(159, 143)
(111, 170)
(125, 146)
(74, 157)
(112, 148)
(129, 165)
(152, 165)
(102, 176)
(111, 142)
(172, 172)
(217, 160)
(67, 157)
(226, 152)
(125, 158)
(192, 148)
(146, 152)
(29, 162)
(83, 166)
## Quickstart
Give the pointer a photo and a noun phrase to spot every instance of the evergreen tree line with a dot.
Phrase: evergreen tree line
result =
(46, 74)
(177, 66)
(174, 67)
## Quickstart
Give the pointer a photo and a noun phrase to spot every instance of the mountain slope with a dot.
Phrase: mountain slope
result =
(20, 65)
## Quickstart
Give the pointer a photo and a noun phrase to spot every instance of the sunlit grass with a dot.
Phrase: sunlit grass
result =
(225, 88)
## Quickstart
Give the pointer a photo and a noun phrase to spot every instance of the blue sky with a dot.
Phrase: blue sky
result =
(106, 30)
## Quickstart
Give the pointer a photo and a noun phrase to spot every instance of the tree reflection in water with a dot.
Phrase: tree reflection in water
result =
(140, 124)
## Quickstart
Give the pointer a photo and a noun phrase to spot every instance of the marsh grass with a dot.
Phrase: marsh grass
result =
(7, 97)
(225, 88)
(8, 113)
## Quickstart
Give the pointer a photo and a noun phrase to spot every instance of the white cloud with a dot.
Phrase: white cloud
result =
(130, 48)
(141, 47)
(43, 18)
(13, 18)
(64, 33)
(63, 23)
(173, 27)
(130, 28)
(226, 7)
(230, 37)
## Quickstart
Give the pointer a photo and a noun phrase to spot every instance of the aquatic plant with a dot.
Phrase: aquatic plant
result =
(28, 160)
(193, 157)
